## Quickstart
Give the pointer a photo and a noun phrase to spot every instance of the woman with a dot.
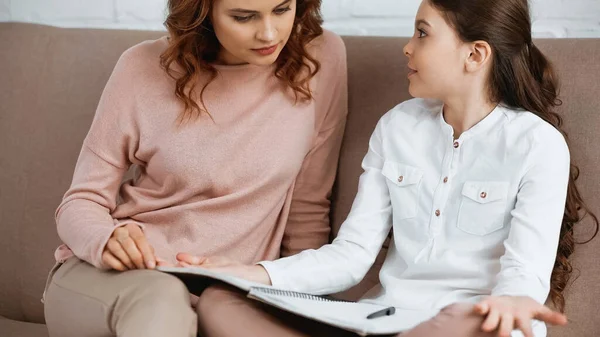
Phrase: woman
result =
(474, 178)
(234, 123)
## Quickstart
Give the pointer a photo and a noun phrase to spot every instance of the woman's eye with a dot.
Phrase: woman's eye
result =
(242, 18)
(282, 10)
(422, 33)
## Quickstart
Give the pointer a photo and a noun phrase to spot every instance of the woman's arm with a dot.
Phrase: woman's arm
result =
(308, 222)
(83, 219)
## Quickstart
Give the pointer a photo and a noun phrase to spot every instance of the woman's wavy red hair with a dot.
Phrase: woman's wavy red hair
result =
(194, 47)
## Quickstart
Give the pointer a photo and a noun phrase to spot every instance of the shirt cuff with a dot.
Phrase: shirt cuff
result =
(525, 288)
(275, 274)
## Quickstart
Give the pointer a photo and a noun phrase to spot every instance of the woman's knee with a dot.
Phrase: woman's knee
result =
(459, 310)
(218, 298)
(159, 288)
(462, 318)
(454, 320)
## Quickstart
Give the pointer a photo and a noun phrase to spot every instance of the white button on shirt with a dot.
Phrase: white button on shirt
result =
(471, 217)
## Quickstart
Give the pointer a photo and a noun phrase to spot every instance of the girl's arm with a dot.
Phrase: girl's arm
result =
(343, 263)
(530, 250)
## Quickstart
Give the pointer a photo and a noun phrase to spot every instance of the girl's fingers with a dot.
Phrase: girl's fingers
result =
(492, 321)
(481, 308)
(507, 324)
(191, 259)
(524, 324)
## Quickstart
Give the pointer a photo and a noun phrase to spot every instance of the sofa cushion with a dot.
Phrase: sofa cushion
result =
(10, 328)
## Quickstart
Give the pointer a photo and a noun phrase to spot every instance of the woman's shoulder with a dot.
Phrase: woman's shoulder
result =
(143, 57)
(328, 47)
(330, 42)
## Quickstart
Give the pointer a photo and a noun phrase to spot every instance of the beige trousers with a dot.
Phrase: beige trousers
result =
(83, 301)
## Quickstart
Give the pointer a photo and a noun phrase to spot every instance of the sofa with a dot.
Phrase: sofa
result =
(51, 80)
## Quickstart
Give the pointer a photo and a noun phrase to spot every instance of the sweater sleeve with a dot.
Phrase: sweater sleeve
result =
(83, 218)
(308, 222)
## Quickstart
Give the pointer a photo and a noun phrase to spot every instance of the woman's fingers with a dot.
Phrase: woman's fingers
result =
(146, 251)
(112, 262)
(117, 251)
(132, 251)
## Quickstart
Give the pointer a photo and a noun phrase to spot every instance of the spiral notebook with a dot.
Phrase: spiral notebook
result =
(351, 316)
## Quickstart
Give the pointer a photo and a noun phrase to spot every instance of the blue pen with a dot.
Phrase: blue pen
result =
(384, 312)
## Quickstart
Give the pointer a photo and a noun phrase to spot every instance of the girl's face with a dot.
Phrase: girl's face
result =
(252, 31)
(436, 57)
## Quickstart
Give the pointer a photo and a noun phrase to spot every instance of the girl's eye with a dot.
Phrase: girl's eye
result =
(281, 11)
(422, 33)
(242, 18)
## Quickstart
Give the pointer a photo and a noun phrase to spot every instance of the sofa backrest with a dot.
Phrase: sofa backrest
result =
(50, 83)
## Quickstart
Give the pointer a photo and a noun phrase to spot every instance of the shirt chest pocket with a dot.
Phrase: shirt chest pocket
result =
(482, 208)
(403, 183)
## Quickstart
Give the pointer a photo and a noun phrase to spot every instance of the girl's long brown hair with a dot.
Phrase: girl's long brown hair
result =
(194, 47)
(522, 77)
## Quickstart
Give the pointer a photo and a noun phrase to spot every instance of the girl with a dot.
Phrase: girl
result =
(472, 176)
(234, 123)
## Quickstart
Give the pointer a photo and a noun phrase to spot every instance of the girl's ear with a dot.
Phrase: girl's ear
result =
(479, 56)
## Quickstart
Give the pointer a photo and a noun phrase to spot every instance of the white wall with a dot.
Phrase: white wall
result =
(552, 18)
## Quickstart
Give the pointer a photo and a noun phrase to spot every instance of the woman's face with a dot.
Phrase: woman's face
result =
(436, 56)
(252, 31)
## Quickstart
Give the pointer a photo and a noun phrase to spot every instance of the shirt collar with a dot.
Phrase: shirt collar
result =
(486, 124)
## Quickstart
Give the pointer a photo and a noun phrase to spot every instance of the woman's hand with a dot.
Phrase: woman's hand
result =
(508, 312)
(224, 265)
(128, 249)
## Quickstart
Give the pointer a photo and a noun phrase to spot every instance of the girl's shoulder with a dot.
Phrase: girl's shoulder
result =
(416, 109)
(534, 129)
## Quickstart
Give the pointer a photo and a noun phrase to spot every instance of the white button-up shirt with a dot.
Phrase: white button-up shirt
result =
(475, 216)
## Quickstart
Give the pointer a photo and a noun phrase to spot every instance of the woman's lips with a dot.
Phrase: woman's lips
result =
(266, 51)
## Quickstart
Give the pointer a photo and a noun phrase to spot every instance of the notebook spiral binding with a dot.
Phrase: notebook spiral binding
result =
(295, 294)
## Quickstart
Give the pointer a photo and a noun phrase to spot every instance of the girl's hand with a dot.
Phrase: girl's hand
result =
(508, 312)
(225, 265)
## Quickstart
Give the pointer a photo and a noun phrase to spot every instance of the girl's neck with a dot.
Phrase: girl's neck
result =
(465, 111)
